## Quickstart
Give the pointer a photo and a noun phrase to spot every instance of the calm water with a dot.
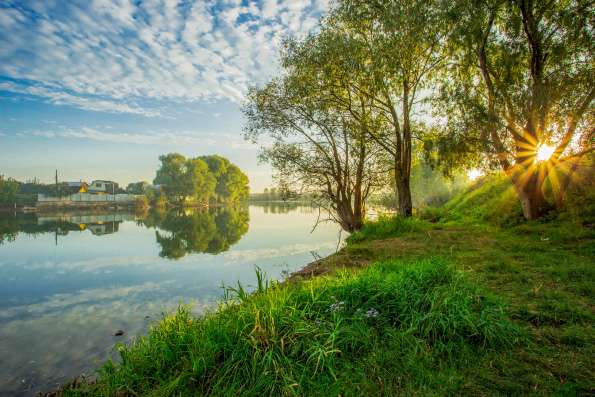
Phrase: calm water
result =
(69, 282)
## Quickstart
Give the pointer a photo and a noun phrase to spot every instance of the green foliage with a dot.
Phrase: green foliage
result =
(137, 187)
(489, 199)
(520, 77)
(283, 193)
(492, 199)
(156, 198)
(406, 327)
(203, 179)
(141, 202)
(579, 200)
(318, 124)
(9, 189)
(539, 59)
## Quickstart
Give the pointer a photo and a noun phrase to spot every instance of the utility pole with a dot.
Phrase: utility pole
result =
(57, 194)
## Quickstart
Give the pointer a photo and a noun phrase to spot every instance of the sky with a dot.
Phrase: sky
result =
(98, 89)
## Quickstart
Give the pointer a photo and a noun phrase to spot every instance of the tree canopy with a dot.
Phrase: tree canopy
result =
(498, 83)
(205, 179)
(318, 143)
(9, 188)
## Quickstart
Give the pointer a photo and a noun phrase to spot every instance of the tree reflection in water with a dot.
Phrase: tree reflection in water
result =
(188, 231)
(178, 232)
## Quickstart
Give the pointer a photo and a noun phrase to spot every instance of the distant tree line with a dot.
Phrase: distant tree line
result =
(13, 192)
(202, 180)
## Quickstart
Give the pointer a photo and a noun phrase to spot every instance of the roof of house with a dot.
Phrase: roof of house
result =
(75, 184)
(103, 181)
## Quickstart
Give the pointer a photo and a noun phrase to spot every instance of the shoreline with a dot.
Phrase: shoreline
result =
(506, 263)
(471, 250)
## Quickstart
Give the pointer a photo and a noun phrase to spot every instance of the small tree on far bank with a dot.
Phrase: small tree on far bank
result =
(9, 188)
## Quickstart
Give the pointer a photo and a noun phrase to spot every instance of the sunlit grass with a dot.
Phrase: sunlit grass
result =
(405, 327)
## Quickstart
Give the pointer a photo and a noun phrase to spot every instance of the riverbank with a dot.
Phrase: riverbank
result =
(461, 302)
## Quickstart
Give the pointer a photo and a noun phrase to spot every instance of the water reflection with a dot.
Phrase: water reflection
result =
(11, 225)
(68, 281)
(197, 231)
(177, 232)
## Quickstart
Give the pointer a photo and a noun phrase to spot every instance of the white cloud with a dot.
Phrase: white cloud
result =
(59, 97)
(163, 137)
(109, 55)
(157, 138)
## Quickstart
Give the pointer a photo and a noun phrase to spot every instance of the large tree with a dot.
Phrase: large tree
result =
(183, 178)
(521, 82)
(232, 183)
(316, 141)
(392, 51)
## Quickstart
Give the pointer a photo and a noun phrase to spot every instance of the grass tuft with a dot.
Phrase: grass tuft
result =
(397, 327)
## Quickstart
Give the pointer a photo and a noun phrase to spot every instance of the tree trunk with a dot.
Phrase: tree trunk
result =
(404, 196)
(531, 196)
(403, 188)
(349, 219)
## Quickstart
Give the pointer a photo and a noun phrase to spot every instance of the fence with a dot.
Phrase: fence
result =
(88, 198)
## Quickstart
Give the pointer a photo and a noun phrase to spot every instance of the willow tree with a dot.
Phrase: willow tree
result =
(396, 48)
(521, 88)
(316, 142)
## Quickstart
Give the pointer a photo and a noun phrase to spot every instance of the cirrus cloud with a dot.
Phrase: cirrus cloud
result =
(113, 55)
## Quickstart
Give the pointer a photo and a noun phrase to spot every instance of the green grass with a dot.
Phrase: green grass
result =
(393, 328)
(491, 200)
(387, 226)
(470, 301)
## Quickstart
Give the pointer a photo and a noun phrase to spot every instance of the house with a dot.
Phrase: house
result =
(101, 228)
(74, 187)
(103, 187)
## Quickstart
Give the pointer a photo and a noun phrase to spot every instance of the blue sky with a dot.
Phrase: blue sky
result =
(98, 89)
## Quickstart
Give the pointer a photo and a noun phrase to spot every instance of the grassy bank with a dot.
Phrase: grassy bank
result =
(461, 302)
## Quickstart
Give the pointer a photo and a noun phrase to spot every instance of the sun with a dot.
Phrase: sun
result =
(474, 173)
(544, 152)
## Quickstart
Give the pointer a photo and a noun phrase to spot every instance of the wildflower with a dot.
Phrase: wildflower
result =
(336, 307)
(372, 313)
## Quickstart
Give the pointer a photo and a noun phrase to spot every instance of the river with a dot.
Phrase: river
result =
(69, 282)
